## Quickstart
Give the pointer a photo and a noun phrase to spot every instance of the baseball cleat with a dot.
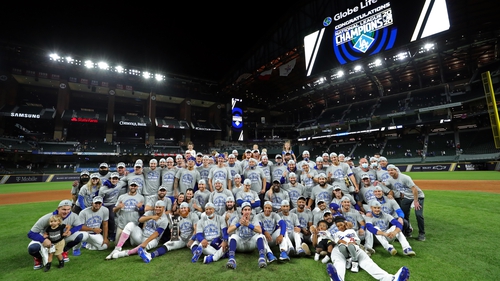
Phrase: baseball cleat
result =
(262, 262)
(110, 256)
(145, 256)
(76, 252)
(196, 254)
(208, 259)
(306, 249)
(301, 252)
(332, 272)
(231, 264)
(284, 256)
(392, 251)
(403, 274)
(355, 266)
(37, 263)
(409, 252)
(271, 257)
(65, 256)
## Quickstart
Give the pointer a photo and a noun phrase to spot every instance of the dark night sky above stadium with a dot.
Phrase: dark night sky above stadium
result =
(198, 39)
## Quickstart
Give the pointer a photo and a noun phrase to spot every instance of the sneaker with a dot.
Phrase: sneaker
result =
(326, 259)
(421, 237)
(316, 256)
(332, 272)
(76, 252)
(120, 254)
(348, 263)
(84, 245)
(231, 264)
(392, 251)
(403, 274)
(208, 259)
(301, 252)
(284, 256)
(306, 249)
(355, 266)
(110, 256)
(145, 256)
(37, 263)
(65, 256)
(409, 252)
(369, 251)
(270, 257)
(196, 254)
(262, 262)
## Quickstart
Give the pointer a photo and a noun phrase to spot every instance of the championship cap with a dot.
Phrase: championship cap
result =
(153, 161)
(334, 206)
(276, 181)
(291, 162)
(321, 175)
(285, 203)
(178, 156)
(247, 150)
(65, 203)
(378, 188)
(321, 200)
(365, 176)
(375, 203)
(341, 155)
(234, 151)
(231, 156)
(160, 203)
(345, 198)
(202, 181)
(230, 198)
(104, 165)
(97, 199)
(114, 175)
(373, 159)
(325, 155)
(335, 187)
(333, 154)
(253, 160)
(246, 204)
(85, 172)
(319, 159)
(326, 213)
(348, 158)
(391, 166)
(184, 205)
(292, 175)
(301, 198)
(382, 158)
(94, 175)
(162, 188)
(162, 160)
(218, 180)
(305, 152)
(247, 182)
(268, 203)
(134, 183)
(264, 156)
(237, 176)
(138, 163)
(210, 205)
(278, 156)
(121, 165)
(206, 157)
(256, 151)
(199, 154)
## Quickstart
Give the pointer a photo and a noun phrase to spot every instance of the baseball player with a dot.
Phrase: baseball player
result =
(248, 195)
(218, 197)
(307, 178)
(221, 172)
(168, 177)
(338, 171)
(234, 167)
(186, 178)
(278, 169)
(77, 185)
(161, 194)
(276, 194)
(128, 208)
(93, 219)
(274, 229)
(254, 173)
(237, 184)
(152, 178)
(187, 228)
(109, 192)
(104, 172)
(73, 236)
(201, 197)
(306, 220)
(87, 192)
(386, 228)
(246, 235)
(137, 176)
(154, 224)
(211, 236)
(293, 229)
(294, 188)
(322, 191)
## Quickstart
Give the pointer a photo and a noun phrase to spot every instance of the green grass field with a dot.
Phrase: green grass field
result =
(450, 252)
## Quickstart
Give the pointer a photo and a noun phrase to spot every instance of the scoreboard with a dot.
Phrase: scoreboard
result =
(359, 29)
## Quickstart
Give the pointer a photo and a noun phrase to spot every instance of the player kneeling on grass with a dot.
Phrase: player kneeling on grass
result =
(246, 235)
(187, 228)
(211, 236)
(379, 225)
(154, 223)
(72, 237)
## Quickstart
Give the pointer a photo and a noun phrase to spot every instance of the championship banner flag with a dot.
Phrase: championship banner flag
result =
(265, 75)
(286, 68)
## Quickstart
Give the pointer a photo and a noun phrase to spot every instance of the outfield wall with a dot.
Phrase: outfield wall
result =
(430, 167)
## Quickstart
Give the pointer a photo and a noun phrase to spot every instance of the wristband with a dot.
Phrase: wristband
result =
(251, 226)
(237, 225)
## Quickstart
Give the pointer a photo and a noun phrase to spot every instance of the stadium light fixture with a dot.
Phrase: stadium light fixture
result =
(103, 65)
(146, 75)
(357, 68)
(70, 59)
(340, 73)
(89, 64)
(159, 77)
(119, 69)
(54, 57)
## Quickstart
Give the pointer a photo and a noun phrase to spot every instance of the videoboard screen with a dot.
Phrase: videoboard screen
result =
(359, 29)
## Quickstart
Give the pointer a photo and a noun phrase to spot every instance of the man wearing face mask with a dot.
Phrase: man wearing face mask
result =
(104, 172)
(364, 169)
(77, 184)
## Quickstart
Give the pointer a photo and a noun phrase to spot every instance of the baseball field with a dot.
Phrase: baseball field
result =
(462, 216)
